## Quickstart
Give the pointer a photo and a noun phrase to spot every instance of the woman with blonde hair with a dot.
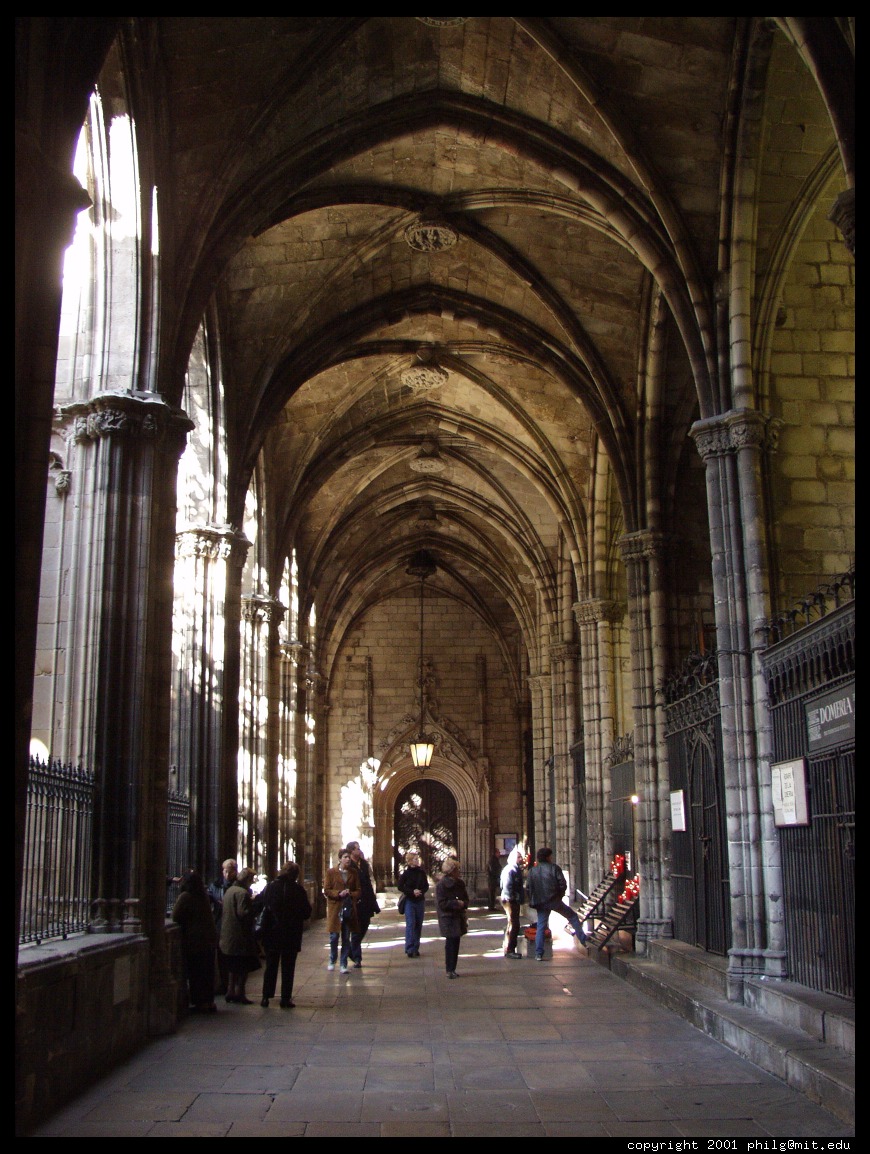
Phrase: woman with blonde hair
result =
(451, 898)
(412, 884)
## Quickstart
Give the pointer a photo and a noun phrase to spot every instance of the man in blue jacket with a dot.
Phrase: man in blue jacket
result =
(546, 888)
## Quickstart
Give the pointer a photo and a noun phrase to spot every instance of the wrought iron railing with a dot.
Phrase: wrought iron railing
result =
(55, 899)
(56, 891)
(823, 600)
(178, 856)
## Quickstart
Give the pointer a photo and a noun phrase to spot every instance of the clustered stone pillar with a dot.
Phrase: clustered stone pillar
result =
(598, 621)
(731, 446)
(257, 747)
(205, 557)
(563, 676)
(542, 730)
(128, 446)
(644, 556)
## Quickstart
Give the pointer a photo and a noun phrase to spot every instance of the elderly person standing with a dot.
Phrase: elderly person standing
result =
(512, 895)
(451, 898)
(238, 944)
(413, 884)
(342, 889)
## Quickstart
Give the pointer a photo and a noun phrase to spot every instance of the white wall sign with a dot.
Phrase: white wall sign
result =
(678, 811)
(789, 788)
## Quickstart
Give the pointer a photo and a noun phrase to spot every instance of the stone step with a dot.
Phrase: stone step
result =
(786, 1030)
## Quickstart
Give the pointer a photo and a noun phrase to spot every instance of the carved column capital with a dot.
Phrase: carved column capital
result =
(735, 430)
(595, 609)
(564, 651)
(842, 215)
(258, 608)
(643, 545)
(143, 416)
(213, 542)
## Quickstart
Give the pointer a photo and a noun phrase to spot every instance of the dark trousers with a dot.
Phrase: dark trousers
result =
(512, 929)
(200, 976)
(451, 953)
(287, 960)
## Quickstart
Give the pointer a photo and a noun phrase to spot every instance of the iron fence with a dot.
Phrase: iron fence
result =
(55, 898)
(178, 855)
(818, 858)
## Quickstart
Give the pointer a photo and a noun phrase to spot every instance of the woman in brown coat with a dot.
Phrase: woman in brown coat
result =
(343, 890)
(238, 944)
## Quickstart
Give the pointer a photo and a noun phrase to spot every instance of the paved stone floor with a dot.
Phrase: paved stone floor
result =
(510, 1049)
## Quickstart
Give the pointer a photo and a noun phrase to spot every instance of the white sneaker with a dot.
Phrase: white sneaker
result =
(331, 966)
(343, 970)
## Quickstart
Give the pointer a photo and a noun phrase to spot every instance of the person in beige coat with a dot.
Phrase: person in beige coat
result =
(343, 890)
(238, 944)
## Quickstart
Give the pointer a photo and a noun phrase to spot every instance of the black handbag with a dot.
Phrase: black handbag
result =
(400, 905)
(346, 909)
(262, 922)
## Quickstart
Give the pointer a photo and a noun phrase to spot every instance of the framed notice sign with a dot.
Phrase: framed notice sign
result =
(678, 811)
(789, 787)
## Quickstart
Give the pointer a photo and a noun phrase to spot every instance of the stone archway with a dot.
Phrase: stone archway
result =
(459, 772)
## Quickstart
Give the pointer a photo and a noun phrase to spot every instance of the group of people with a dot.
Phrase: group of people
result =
(544, 887)
(225, 921)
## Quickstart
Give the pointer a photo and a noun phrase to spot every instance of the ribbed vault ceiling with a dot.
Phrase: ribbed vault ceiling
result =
(578, 163)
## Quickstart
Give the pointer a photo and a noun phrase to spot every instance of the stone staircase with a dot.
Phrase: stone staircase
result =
(805, 1038)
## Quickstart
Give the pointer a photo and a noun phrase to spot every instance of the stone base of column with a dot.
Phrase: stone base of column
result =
(163, 1007)
(752, 963)
(648, 929)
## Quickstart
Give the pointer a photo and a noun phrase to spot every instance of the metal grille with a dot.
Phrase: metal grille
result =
(178, 844)
(699, 873)
(818, 860)
(57, 851)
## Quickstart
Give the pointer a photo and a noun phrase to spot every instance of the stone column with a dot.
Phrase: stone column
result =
(127, 449)
(644, 556)
(563, 666)
(257, 753)
(542, 736)
(48, 199)
(597, 623)
(288, 754)
(203, 558)
(731, 446)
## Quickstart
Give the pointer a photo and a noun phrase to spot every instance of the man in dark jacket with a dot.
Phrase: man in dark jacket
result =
(287, 909)
(546, 887)
(368, 902)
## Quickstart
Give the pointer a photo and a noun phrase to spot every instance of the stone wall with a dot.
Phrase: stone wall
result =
(82, 1007)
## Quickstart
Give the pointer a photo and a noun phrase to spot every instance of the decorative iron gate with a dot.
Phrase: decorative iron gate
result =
(425, 821)
(699, 861)
(815, 664)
